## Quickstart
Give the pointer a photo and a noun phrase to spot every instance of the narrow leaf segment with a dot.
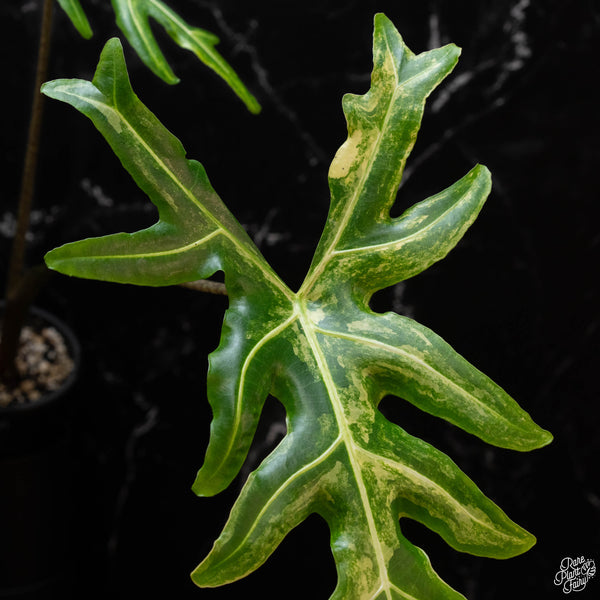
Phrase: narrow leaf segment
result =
(321, 351)
(133, 18)
(77, 17)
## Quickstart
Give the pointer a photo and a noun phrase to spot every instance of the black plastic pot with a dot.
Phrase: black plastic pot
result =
(36, 485)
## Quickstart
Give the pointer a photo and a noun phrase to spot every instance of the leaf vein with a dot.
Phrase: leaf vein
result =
(414, 359)
(281, 489)
(171, 251)
(430, 484)
(347, 438)
(240, 391)
(147, 40)
(398, 243)
(351, 205)
(255, 258)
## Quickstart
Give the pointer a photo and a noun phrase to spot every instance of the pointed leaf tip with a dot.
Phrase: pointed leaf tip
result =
(77, 17)
(133, 20)
(382, 24)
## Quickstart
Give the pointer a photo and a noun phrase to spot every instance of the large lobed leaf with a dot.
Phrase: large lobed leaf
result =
(133, 18)
(321, 351)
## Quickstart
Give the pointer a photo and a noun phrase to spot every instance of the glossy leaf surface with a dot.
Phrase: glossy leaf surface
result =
(77, 16)
(133, 18)
(321, 351)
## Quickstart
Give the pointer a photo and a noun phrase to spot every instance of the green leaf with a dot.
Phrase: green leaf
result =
(193, 222)
(321, 351)
(133, 20)
(77, 17)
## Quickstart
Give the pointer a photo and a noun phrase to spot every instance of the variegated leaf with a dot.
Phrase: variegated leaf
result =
(321, 351)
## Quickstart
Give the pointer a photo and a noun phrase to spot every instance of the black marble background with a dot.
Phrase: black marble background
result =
(518, 297)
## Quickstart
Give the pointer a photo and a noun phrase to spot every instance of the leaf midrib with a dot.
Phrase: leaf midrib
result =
(254, 256)
(161, 8)
(171, 251)
(280, 490)
(142, 33)
(394, 350)
(348, 440)
(415, 475)
(242, 382)
(350, 206)
(397, 243)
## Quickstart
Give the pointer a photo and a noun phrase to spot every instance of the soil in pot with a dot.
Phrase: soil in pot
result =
(36, 464)
(44, 362)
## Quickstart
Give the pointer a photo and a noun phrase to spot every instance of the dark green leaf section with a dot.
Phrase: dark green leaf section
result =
(240, 377)
(321, 351)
